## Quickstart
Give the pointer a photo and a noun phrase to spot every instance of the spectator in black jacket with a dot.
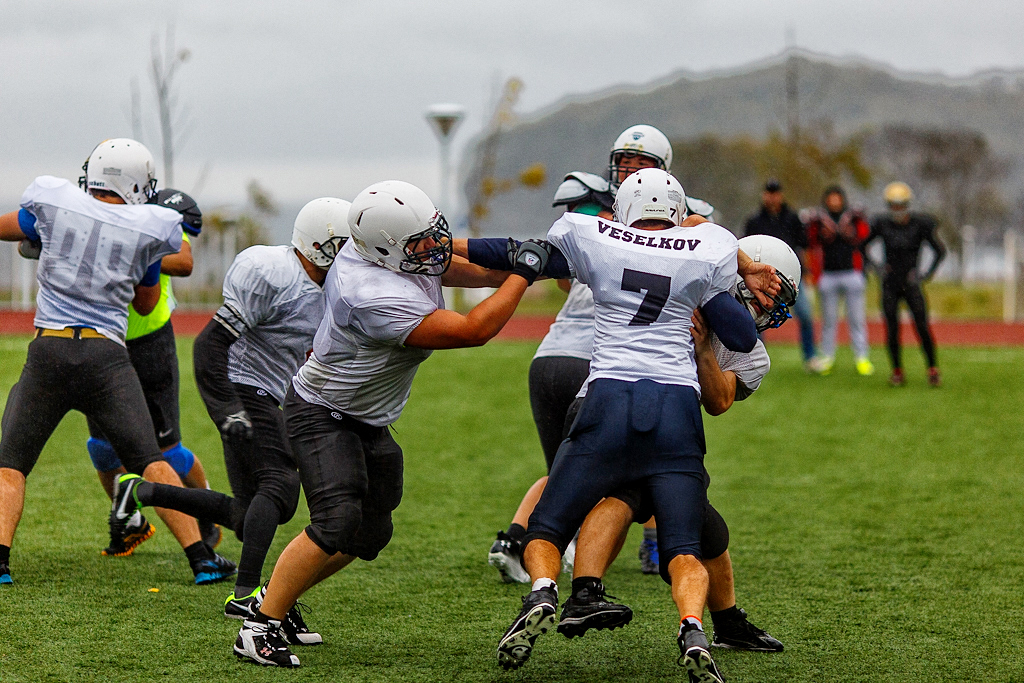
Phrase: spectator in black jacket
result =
(776, 219)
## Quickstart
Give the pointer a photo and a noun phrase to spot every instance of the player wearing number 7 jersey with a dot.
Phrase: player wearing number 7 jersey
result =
(640, 421)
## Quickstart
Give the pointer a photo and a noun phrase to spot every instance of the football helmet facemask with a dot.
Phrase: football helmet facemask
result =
(642, 140)
(321, 230)
(122, 166)
(650, 193)
(776, 253)
(395, 225)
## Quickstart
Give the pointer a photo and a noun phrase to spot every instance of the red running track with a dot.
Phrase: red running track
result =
(533, 327)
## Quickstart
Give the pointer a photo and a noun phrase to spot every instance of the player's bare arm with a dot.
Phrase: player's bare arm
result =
(760, 278)
(146, 298)
(462, 273)
(10, 229)
(180, 264)
(717, 388)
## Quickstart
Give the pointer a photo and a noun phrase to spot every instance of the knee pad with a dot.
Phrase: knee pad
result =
(102, 454)
(285, 494)
(714, 535)
(180, 459)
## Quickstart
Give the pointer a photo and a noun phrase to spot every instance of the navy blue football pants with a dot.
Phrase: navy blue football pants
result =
(641, 434)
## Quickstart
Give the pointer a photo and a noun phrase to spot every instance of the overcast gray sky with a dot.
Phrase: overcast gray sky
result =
(323, 98)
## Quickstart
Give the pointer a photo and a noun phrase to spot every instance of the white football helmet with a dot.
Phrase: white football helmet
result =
(389, 221)
(642, 140)
(321, 229)
(774, 252)
(650, 193)
(122, 166)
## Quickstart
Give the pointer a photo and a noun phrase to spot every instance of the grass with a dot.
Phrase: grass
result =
(875, 531)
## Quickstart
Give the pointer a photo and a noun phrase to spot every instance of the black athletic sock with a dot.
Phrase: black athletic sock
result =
(211, 505)
(5, 554)
(244, 591)
(517, 532)
(579, 583)
(260, 526)
(261, 618)
(725, 616)
(197, 552)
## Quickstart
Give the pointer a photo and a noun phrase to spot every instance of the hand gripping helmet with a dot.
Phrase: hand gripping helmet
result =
(650, 193)
(321, 229)
(395, 225)
(774, 252)
(122, 166)
(580, 187)
(642, 140)
(191, 216)
(898, 193)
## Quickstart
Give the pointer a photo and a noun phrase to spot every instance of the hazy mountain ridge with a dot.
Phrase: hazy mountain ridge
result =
(852, 93)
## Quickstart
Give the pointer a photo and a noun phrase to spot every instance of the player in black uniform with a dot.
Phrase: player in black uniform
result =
(903, 232)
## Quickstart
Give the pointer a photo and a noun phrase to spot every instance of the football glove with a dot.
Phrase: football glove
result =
(237, 425)
(531, 259)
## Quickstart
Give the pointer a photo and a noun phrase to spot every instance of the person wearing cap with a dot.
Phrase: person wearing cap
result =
(776, 219)
(836, 232)
(902, 233)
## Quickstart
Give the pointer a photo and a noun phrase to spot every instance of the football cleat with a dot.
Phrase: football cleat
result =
(740, 634)
(263, 644)
(536, 618)
(210, 532)
(934, 378)
(293, 628)
(649, 556)
(213, 571)
(865, 368)
(897, 378)
(506, 555)
(240, 608)
(137, 530)
(588, 608)
(5, 574)
(694, 655)
(123, 507)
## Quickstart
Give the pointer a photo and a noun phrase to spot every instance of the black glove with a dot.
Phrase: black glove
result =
(531, 259)
(191, 216)
(29, 249)
(512, 250)
(237, 425)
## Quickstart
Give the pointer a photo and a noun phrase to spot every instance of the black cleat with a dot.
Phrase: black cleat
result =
(740, 634)
(127, 529)
(536, 618)
(213, 571)
(506, 555)
(5, 574)
(588, 608)
(694, 655)
(240, 608)
(263, 644)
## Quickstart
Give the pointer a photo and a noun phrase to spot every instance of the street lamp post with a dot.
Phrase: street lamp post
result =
(444, 119)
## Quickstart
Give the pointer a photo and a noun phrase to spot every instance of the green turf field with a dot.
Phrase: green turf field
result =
(875, 531)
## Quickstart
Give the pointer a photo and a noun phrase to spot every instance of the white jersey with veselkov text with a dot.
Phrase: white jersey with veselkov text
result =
(274, 308)
(93, 254)
(646, 284)
(576, 335)
(360, 365)
(572, 333)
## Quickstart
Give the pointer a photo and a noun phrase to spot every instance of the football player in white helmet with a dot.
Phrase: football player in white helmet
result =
(321, 230)
(771, 250)
(384, 315)
(637, 147)
(123, 167)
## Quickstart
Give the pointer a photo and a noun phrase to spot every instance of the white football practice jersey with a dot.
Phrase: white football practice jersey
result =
(275, 309)
(646, 284)
(360, 365)
(93, 254)
(572, 333)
